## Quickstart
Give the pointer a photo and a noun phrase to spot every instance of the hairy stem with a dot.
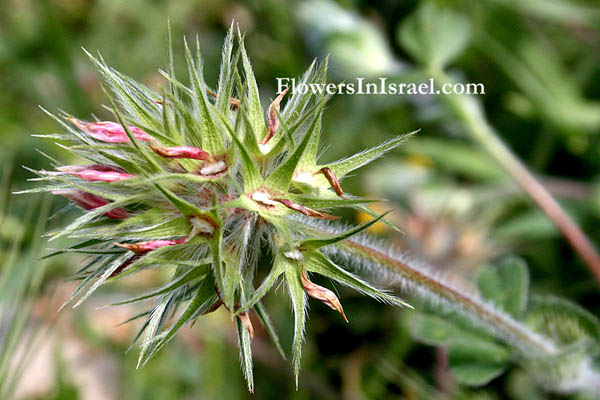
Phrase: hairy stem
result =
(381, 260)
(421, 281)
(471, 115)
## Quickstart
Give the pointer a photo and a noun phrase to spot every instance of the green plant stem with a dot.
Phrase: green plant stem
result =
(470, 113)
(433, 289)
(502, 324)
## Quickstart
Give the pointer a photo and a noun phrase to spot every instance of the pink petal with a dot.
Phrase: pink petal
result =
(108, 131)
(96, 172)
(145, 247)
(89, 201)
(109, 176)
(181, 152)
(95, 167)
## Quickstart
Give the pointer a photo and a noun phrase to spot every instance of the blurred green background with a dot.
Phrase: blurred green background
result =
(540, 63)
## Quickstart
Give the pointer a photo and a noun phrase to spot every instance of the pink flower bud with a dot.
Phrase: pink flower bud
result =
(93, 173)
(181, 152)
(89, 201)
(108, 131)
(145, 247)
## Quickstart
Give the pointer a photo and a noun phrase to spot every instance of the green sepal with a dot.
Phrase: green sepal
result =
(318, 263)
(211, 139)
(244, 344)
(298, 297)
(252, 177)
(203, 299)
(279, 266)
(281, 178)
(342, 167)
(254, 108)
(314, 244)
(321, 202)
(177, 282)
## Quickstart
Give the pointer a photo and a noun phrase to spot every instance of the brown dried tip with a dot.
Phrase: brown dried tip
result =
(332, 179)
(235, 103)
(321, 293)
(272, 120)
(245, 318)
(309, 212)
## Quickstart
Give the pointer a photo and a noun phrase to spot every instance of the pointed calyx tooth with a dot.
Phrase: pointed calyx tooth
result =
(145, 247)
(243, 316)
(263, 199)
(111, 132)
(89, 201)
(332, 179)
(323, 294)
(94, 173)
(272, 119)
(233, 102)
(309, 212)
(193, 153)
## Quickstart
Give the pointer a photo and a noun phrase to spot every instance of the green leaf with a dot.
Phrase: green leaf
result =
(434, 35)
(451, 155)
(298, 297)
(318, 263)
(562, 320)
(437, 331)
(475, 363)
(342, 167)
(281, 178)
(506, 285)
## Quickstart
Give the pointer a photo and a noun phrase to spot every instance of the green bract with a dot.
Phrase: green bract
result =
(204, 183)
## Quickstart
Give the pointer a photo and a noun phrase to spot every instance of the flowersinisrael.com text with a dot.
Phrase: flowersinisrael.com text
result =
(362, 86)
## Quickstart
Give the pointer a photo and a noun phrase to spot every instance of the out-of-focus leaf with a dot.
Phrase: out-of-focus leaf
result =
(476, 363)
(433, 35)
(453, 156)
(506, 285)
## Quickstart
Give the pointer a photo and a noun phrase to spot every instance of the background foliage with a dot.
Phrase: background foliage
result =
(540, 66)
